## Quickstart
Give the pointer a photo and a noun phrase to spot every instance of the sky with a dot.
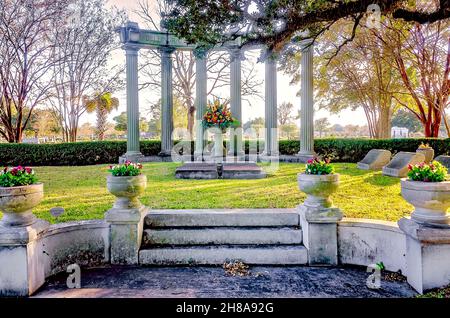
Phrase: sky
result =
(286, 92)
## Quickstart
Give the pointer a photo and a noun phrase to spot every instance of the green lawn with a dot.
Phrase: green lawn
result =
(82, 192)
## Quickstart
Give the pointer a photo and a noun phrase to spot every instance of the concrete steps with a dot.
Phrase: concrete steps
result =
(213, 237)
(222, 217)
(220, 236)
(217, 255)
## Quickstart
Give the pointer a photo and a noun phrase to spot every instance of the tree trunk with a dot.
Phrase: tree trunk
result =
(101, 123)
(191, 119)
(384, 123)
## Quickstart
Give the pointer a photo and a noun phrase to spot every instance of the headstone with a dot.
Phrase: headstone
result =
(445, 160)
(375, 159)
(398, 167)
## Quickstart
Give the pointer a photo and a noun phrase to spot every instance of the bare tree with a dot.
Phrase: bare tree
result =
(285, 113)
(26, 57)
(84, 46)
(422, 58)
(184, 68)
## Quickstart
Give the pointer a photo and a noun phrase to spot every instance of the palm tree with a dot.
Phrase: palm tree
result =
(102, 104)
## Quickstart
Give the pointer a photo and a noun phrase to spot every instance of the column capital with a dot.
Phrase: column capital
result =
(200, 53)
(130, 48)
(236, 53)
(306, 44)
(270, 56)
(166, 51)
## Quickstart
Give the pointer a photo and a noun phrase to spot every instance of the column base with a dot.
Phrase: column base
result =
(126, 227)
(198, 156)
(319, 226)
(305, 156)
(165, 153)
(427, 255)
(135, 157)
(240, 156)
(21, 260)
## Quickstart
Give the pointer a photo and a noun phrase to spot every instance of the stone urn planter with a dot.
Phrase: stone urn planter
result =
(127, 190)
(428, 152)
(17, 204)
(430, 200)
(318, 189)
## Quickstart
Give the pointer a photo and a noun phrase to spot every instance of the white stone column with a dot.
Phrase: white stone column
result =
(133, 148)
(201, 101)
(236, 145)
(166, 101)
(271, 135)
(307, 104)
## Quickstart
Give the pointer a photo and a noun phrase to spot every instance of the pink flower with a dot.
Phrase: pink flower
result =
(28, 170)
(310, 161)
(410, 167)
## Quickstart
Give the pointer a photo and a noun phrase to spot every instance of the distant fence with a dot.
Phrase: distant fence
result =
(101, 152)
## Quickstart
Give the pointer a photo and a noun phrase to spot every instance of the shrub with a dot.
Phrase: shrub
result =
(318, 167)
(434, 172)
(17, 176)
(104, 152)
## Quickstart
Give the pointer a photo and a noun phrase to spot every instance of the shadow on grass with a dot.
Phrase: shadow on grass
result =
(379, 180)
(352, 171)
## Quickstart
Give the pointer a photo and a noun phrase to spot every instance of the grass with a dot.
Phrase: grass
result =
(82, 192)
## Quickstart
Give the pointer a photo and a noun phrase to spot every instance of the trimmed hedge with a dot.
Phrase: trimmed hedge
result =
(353, 150)
(101, 152)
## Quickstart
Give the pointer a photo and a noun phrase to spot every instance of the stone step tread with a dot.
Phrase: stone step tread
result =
(222, 217)
(217, 255)
(222, 235)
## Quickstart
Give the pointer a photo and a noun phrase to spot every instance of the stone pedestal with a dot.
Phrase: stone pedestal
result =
(135, 158)
(319, 226)
(427, 255)
(21, 267)
(125, 234)
(126, 218)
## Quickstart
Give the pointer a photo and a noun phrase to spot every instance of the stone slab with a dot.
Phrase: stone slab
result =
(226, 170)
(218, 255)
(222, 217)
(445, 160)
(398, 166)
(242, 170)
(375, 159)
(213, 282)
(221, 236)
(197, 170)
